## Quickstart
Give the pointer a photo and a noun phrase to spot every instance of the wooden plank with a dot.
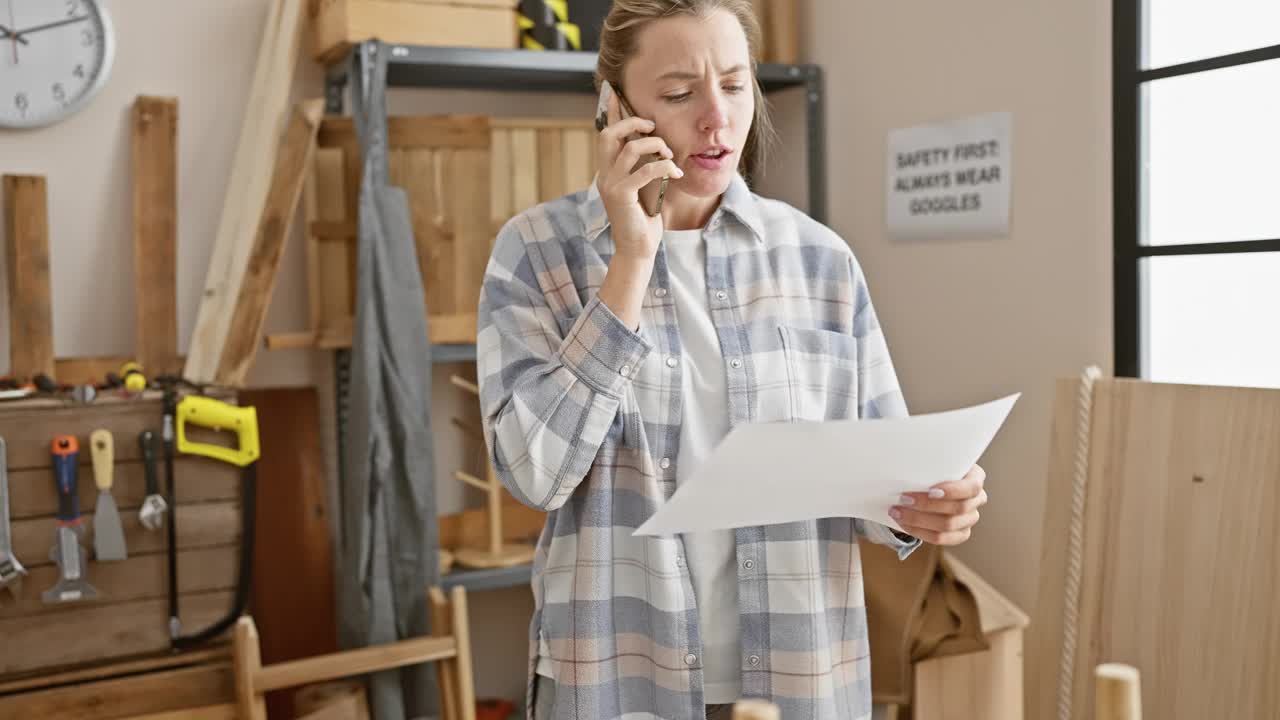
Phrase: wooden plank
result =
(293, 583)
(441, 329)
(78, 371)
(551, 176)
(104, 631)
(259, 280)
(524, 162)
(28, 430)
(32, 493)
(310, 210)
(784, 31)
(984, 685)
(208, 712)
(334, 283)
(247, 193)
(406, 132)
(26, 231)
(1182, 502)
(115, 668)
(500, 174)
(148, 693)
(470, 528)
(542, 123)
(426, 180)
(353, 662)
(579, 159)
(473, 239)
(199, 526)
(140, 577)
(155, 233)
(248, 663)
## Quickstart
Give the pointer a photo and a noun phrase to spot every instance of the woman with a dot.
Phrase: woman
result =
(616, 349)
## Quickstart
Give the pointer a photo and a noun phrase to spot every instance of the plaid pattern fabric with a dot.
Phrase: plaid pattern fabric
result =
(582, 418)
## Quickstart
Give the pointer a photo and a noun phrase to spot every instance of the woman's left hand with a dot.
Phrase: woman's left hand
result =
(947, 513)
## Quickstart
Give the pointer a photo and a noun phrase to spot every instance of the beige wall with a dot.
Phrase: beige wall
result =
(967, 321)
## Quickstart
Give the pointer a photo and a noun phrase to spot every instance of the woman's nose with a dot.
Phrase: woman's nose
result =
(714, 115)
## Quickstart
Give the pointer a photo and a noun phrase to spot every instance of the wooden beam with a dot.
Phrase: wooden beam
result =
(414, 132)
(155, 233)
(26, 226)
(120, 668)
(353, 662)
(292, 163)
(124, 697)
(247, 188)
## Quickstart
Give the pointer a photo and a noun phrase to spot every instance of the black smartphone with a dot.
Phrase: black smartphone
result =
(651, 194)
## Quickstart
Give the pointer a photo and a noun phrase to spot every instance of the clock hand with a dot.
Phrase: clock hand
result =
(13, 34)
(20, 34)
(7, 33)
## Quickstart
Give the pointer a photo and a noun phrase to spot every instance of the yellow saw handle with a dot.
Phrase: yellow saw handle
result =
(215, 414)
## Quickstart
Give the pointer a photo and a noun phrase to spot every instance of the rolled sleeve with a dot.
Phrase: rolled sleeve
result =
(602, 351)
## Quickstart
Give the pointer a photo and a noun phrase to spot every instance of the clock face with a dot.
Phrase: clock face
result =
(54, 56)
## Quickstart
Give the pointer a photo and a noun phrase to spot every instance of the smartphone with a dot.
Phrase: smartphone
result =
(651, 195)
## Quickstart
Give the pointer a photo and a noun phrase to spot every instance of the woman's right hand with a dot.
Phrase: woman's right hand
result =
(635, 233)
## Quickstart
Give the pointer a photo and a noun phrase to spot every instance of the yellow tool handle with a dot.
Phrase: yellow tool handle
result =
(103, 448)
(217, 415)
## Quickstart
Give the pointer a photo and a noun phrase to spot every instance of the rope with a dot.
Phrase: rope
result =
(1075, 542)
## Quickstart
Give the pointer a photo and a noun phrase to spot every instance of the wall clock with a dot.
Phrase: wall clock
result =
(54, 57)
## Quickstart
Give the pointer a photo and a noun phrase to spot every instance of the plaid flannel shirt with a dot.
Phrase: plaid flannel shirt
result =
(582, 419)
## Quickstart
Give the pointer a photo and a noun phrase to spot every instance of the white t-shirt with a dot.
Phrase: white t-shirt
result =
(711, 555)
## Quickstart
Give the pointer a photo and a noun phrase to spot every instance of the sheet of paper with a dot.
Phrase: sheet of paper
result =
(763, 474)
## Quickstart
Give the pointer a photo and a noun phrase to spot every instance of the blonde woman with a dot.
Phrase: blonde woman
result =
(617, 348)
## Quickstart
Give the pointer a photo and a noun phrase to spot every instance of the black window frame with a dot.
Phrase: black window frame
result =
(1128, 81)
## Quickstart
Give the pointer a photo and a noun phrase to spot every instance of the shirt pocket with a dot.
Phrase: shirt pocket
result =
(822, 374)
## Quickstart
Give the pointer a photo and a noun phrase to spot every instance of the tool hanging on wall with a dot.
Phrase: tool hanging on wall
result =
(544, 25)
(243, 421)
(167, 441)
(11, 571)
(72, 583)
(154, 507)
(108, 536)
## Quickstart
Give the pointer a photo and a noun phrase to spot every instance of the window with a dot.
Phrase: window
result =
(1196, 93)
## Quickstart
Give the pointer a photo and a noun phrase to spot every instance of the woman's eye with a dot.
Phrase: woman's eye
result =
(735, 88)
(681, 97)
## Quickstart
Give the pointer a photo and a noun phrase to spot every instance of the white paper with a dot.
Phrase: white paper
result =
(762, 474)
(950, 180)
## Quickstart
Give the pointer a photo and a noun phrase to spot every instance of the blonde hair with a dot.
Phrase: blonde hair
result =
(618, 45)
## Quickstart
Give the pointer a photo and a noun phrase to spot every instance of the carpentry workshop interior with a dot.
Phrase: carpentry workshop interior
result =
(670, 359)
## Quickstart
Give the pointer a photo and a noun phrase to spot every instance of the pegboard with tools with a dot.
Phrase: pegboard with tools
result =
(87, 520)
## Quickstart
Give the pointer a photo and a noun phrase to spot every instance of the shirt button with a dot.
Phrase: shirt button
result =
(660, 292)
(736, 363)
(754, 660)
(626, 370)
(749, 564)
(672, 362)
(664, 463)
(722, 295)
(690, 659)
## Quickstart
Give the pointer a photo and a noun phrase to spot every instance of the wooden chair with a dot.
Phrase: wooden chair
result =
(449, 646)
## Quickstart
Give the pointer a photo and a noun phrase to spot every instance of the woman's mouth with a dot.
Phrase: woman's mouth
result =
(712, 158)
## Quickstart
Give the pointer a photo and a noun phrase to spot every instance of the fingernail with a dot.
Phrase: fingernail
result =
(906, 500)
(679, 173)
(936, 493)
(895, 513)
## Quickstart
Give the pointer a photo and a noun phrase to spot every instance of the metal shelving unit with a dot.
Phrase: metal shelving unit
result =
(416, 66)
